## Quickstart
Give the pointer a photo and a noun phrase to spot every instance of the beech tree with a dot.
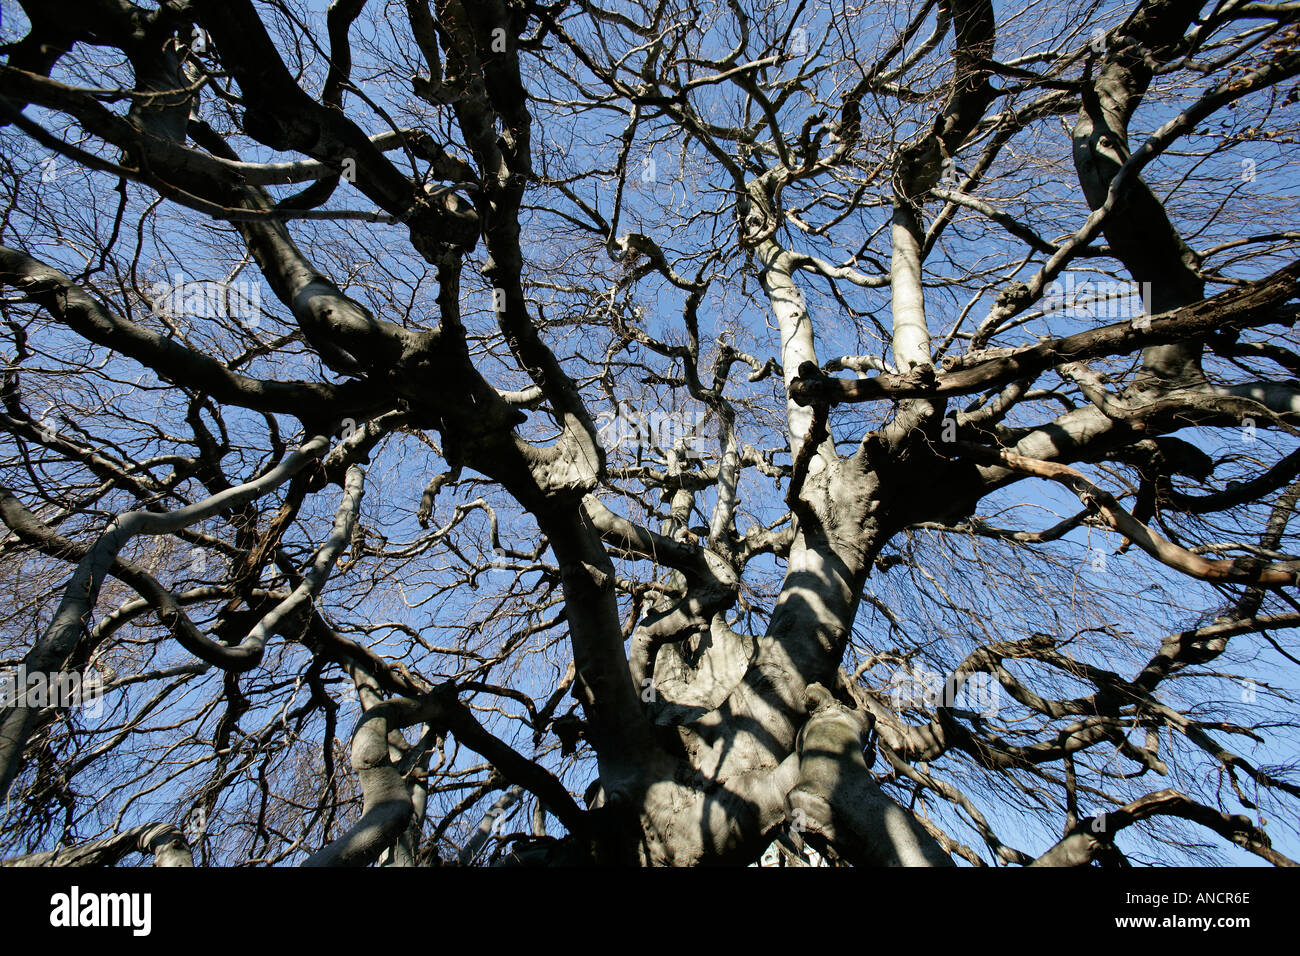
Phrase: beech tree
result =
(655, 432)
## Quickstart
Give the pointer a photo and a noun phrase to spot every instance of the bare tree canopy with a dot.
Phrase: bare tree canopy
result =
(653, 433)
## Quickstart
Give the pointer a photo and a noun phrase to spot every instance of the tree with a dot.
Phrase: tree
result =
(424, 441)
